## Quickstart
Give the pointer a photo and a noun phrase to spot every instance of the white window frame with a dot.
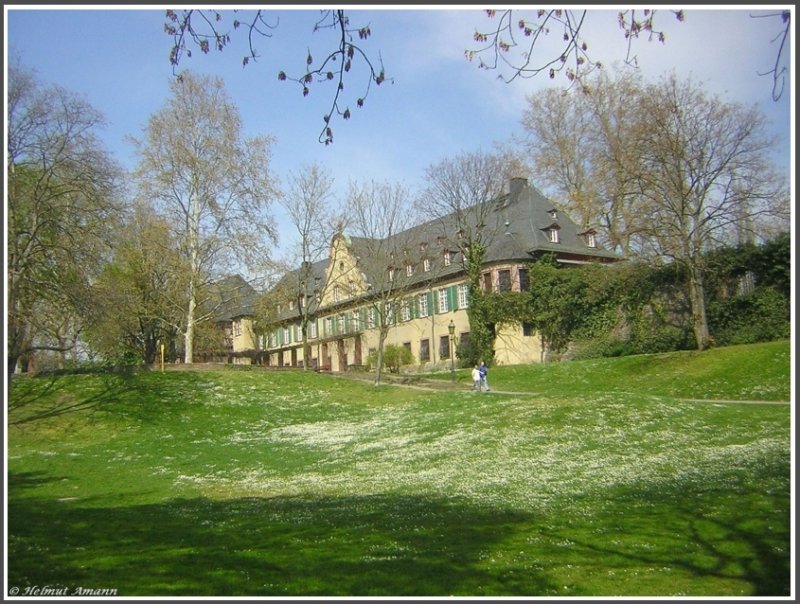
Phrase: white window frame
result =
(441, 297)
(405, 310)
(423, 305)
(463, 295)
(447, 259)
(554, 236)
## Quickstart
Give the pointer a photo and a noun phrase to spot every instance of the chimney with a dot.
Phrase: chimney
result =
(515, 186)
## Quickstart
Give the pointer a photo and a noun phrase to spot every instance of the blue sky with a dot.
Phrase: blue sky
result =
(438, 105)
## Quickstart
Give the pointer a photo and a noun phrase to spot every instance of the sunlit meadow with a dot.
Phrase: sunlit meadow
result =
(264, 483)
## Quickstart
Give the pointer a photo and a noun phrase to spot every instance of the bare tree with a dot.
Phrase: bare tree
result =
(206, 29)
(666, 170)
(62, 199)
(212, 184)
(704, 176)
(579, 141)
(461, 196)
(308, 203)
(379, 219)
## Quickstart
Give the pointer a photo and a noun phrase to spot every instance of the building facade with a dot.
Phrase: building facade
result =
(424, 297)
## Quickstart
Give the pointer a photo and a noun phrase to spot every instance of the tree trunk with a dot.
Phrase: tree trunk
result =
(194, 244)
(698, 305)
(188, 355)
(379, 358)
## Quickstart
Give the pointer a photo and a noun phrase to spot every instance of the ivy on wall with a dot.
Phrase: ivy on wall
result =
(634, 308)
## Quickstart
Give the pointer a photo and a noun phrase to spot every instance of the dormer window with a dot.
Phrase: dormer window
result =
(553, 233)
(447, 258)
(589, 238)
(409, 269)
(553, 214)
(426, 265)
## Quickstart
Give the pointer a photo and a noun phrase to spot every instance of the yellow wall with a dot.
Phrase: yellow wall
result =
(511, 345)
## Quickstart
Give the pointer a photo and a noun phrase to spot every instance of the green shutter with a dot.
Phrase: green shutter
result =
(452, 298)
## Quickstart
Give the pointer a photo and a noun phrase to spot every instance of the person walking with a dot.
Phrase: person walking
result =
(476, 378)
(483, 371)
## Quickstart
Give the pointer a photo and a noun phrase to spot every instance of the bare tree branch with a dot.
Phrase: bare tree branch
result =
(779, 69)
(204, 28)
(519, 55)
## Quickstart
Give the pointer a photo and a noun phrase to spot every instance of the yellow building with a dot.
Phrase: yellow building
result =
(425, 294)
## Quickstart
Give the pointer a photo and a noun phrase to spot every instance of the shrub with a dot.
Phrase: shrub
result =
(394, 357)
(761, 316)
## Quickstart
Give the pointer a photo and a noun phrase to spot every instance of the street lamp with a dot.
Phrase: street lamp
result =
(452, 329)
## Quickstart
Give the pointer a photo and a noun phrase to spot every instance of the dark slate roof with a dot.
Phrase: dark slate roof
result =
(518, 222)
(234, 298)
(517, 228)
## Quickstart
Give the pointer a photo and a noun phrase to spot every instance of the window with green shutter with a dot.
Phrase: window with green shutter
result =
(452, 297)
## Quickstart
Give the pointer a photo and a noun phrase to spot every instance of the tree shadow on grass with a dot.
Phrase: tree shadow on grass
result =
(714, 537)
(348, 546)
(45, 396)
(381, 546)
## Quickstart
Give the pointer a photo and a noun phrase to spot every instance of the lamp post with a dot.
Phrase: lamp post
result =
(452, 329)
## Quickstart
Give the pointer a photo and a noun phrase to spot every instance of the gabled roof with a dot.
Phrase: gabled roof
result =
(520, 219)
(234, 297)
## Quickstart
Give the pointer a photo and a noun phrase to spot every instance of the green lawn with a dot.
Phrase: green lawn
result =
(601, 480)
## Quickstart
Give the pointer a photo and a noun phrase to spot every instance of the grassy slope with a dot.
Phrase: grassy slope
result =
(253, 483)
(750, 372)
